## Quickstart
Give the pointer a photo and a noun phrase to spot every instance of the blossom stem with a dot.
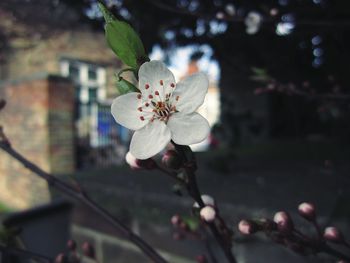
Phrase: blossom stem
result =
(193, 191)
(78, 194)
(171, 174)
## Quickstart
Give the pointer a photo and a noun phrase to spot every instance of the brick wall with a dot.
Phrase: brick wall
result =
(38, 120)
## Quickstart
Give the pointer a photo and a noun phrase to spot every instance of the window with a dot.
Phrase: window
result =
(90, 80)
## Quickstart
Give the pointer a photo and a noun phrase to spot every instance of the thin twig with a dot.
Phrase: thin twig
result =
(81, 196)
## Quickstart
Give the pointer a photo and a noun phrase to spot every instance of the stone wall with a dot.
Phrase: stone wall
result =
(38, 120)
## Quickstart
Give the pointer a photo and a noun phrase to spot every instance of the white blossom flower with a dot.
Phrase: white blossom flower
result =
(163, 111)
(253, 22)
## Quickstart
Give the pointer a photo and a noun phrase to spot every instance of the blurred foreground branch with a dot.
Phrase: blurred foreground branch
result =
(78, 194)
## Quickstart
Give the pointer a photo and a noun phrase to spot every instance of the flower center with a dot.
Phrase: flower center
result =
(155, 107)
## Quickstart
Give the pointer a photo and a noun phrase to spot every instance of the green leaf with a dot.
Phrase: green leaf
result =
(125, 86)
(123, 40)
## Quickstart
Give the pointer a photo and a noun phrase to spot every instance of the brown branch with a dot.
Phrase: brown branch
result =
(81, 196)
(193, 191)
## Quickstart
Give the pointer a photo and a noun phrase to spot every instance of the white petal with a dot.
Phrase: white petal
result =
(191, 92)
(150, 140)
(152, 74)
(124, 111)
(188, 129)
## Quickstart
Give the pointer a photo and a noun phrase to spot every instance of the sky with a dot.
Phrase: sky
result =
(179, 59)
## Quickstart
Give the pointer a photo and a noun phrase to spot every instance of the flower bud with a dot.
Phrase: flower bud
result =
(132, 161)
(61, 258)
(71, 244)
(201, 259)
(176, 220)
(332, 234)
(171, 159)
(148, 164)
(207, 200)
(283, 221)
(307, 211)
(247, 227)
(88, 250)
(208, 214)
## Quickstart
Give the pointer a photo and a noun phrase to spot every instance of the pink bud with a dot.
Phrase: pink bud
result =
(208, 214)
(88, 250)
(171, 159)
(247, 227)
(132, 161)
(148, 164)
(201, 259)
(283, 221)
(332, 234)
(176, 220)
(61, 258)
(139, 164)
(307, 211)
(71, 244)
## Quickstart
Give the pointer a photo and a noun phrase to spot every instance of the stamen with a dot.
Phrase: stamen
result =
(142, 118)
(177, 98)
(147, 86)
(150, 96)
(139, 96)
(172, 85)
(139, 108)
(161, 82)
(157, 92)
(147, 104)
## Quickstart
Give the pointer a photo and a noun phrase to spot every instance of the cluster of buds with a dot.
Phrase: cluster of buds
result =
(183, 229)
(283, 231)
(72, 255)
(171, 160)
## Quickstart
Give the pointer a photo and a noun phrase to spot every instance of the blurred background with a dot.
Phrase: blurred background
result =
(278, 105)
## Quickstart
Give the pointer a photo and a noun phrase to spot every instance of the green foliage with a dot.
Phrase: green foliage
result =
(125, 86)
(192, 222)
(123, 40)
